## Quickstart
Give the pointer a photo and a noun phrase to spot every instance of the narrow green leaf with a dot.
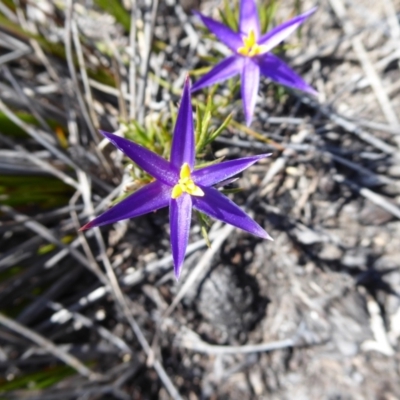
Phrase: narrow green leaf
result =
(218, 131)
(116, 9)
(230, 14)
(198, 124)
(38, 380)
(267, 14)
(204, 225)
(205, 120)
(231, 191)
(208, 163)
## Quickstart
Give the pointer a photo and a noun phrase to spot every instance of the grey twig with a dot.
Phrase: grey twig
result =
(103, 332)
(132, 61)
(46, 167)
(35, 45)
(13, 55)
(191, 341)
(148, 37)
(352, 127)
(370, 195)
(138, 276)
(366, 64)
(26, 100)
(39, 136)
(84, 76)
(49, 346)
(123, 303)
(47, 235)
(72, 71)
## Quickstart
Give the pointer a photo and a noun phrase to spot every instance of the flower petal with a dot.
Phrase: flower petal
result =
(180, 214)
(213, 174)
(248, 18)
(149, 198)
(274, 68)
(224, 34)
(250, 83)
(218, 206)
(182, 150)
(151, 162)
(281, 32)
(224, 70)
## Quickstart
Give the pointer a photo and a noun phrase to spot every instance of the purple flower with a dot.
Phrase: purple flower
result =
(252, 55)
(179, 186)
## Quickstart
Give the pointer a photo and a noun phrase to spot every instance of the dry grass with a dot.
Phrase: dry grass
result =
(313, 315)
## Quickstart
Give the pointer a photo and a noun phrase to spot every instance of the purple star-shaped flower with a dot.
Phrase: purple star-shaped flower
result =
(179, 186)
(252, 55)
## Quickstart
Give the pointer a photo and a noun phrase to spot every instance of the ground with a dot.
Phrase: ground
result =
(315, 314)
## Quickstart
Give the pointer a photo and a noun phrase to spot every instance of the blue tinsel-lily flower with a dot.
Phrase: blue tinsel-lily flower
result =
(252, 55)
(179, 186)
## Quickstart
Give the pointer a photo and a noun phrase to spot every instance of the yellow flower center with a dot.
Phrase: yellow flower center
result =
(250, 48)
(186, 184)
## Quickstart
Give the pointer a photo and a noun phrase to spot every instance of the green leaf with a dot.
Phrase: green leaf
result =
(8, 127)
(198, 129)
(136, 132)
(204, 119)
(230, 15)
(33, 191)
(116, 9)
(208, 163)
(10, 4)
(218, 131)
(267, 13)
(231, 191)
(199, 71)
(49, 247)
(205, 223)
(38, 380)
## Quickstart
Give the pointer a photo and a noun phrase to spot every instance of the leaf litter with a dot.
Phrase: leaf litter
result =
(314, 314)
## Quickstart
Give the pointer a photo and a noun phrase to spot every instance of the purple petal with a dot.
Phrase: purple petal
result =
(224, 34)
(180, 215)
(151, 162)
(149, 198)
(250, 83)
(281, 32)
(182, 150)
(248, 18)
(274, 68)
(224, 70)
(213, 174)
(220, 207)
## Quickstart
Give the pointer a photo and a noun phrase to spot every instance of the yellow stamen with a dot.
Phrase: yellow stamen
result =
(250, 48)
(186, 184)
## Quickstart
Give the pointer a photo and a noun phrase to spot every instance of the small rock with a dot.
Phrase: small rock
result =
(355, 258)
(330, 252)
(306, 236)
(371, 214)
(327, 184)
(394, 171)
